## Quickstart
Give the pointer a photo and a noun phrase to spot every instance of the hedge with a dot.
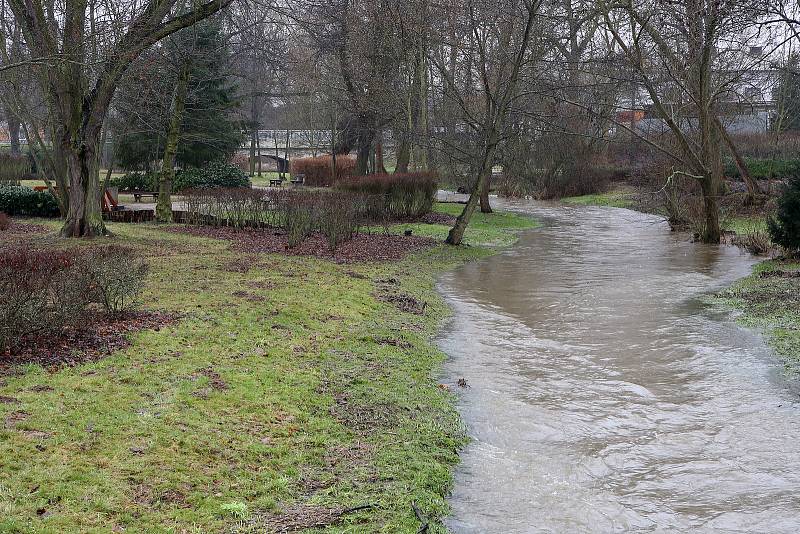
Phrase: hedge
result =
(14, 168)
(765, 169)
(214, 174)
(21, 200)
(317, 171)
(405, 195)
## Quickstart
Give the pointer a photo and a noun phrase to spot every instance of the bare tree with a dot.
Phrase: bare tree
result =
(490, 64)
(681, 53)
(78, 91)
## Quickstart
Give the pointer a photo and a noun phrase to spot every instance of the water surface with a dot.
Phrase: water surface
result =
(605, 397)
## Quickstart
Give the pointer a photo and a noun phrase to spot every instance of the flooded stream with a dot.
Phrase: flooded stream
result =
(605, 397)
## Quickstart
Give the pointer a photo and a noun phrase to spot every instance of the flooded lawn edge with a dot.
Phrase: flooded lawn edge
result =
(768, 300)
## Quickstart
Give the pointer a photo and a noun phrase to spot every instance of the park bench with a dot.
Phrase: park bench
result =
(109, 200)
(137, 195)
(298, 179)
(275, 182)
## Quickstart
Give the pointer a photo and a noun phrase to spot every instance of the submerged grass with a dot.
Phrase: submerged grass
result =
(769, 300)
(287, 395)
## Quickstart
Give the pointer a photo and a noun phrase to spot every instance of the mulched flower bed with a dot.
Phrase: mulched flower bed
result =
(75, 346)
(363, 247)
(18, 232)
(438, 218)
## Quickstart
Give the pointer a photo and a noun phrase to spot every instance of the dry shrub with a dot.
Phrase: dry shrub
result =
(318, 171)
(35, 293)
(755, 242)
(241, 160)
(768, 146)
(339, 217)
(336, 214)
(567, 181)
(42, 291)
(5, 222)
(237, 207)
(405, 195)
(297, 214)
(115, 277)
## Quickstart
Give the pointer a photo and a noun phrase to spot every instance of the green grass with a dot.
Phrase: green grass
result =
(744, 225)
(616, 198)
(772, 305)
(485, 230)
(328, 398)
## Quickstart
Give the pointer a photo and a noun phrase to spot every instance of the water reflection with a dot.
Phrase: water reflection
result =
(605, 397)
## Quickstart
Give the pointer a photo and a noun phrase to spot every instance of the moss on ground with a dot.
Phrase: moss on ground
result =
(743, 225)
(287, 393)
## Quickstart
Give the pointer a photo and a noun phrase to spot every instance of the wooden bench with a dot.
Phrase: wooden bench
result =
(137, 195)
(298, 179)
(275, 182)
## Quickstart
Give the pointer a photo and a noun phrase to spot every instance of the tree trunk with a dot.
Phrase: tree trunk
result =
(253, 135)
(485, 206)
(258, 153)
(403, 156)
(420, 117)
(752, 185)
(456, 234)
(84, 216)
(13, 133)
(164, 204)
(365, 138)
(711, 231)
(380, 168)
(285, 167)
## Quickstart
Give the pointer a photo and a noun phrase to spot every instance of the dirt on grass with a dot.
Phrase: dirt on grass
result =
(78, 345)
(299, 517)
(362, 248)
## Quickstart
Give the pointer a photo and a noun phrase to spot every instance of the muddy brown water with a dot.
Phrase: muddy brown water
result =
(605, 396)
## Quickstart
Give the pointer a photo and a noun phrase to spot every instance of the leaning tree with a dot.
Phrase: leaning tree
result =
(81, 49)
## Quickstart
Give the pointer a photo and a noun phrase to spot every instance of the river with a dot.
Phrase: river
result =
(605, 397)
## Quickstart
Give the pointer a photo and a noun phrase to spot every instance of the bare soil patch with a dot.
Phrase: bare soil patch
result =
(362, 248)
(78, 345)
(299, 517)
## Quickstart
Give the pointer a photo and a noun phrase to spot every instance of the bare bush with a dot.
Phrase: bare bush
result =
(318, 171)
(115, 277)
(754, 241)
(339, 216)
(297, 214)
(35, 293)
(42, 292)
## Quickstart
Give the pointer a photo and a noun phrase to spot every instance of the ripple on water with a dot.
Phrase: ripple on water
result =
(604, 397)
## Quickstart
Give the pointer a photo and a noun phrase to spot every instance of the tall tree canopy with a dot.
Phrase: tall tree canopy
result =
(209, 127)
(80, 50)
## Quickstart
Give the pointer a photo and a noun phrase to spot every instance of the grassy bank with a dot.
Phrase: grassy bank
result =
(292, 393)
(620, 197)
